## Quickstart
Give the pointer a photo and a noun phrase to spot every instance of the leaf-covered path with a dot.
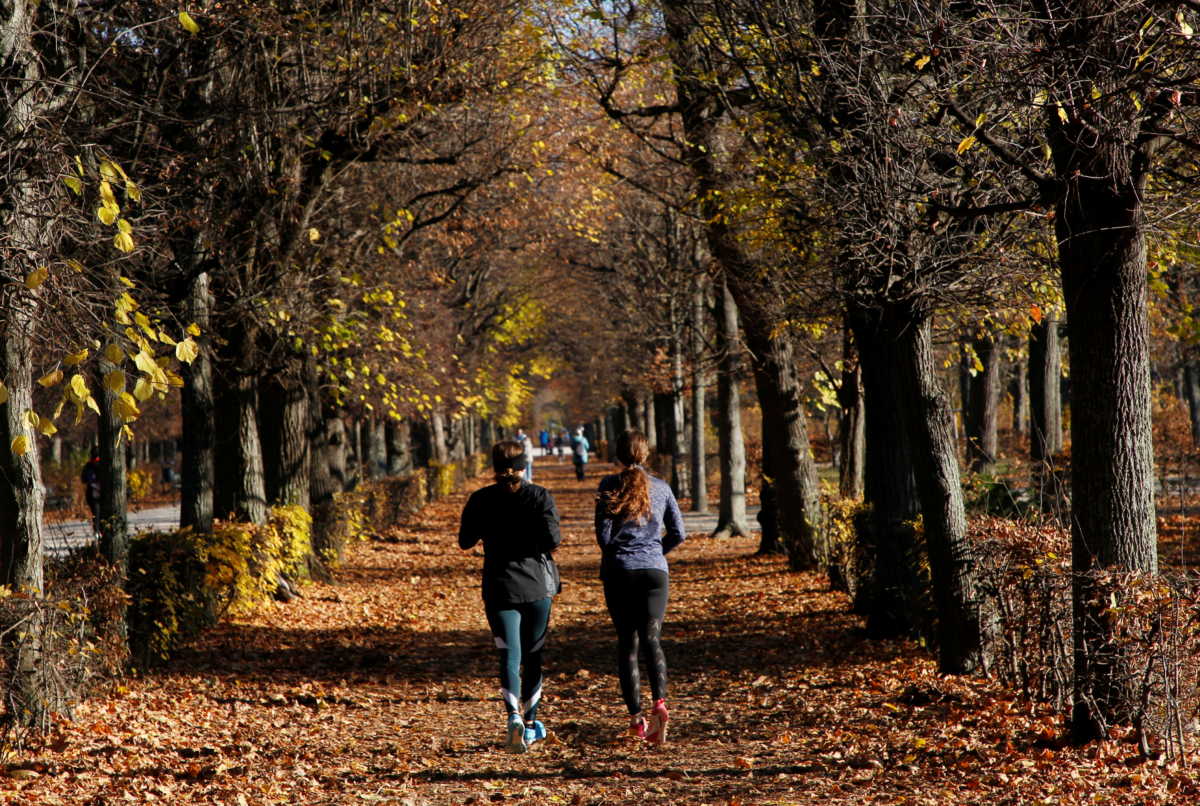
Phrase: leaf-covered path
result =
(381, 689)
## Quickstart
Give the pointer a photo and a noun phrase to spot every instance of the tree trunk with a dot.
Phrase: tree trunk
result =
(960, 638)
(1045, 373)
(646, 408)
(1020, 397)
(114, 491)
(198, 417)
(675, 439)
(251, 504)
(399, 446)
(438, 440)
(769, 541)
(326, 468)
(285, 442)
(699, 470)
(983, 405)
(731, 516)
(852, 434)
(891, 593)
(1102, 254)
(1191, 391)
(779, 388)
(22, 497)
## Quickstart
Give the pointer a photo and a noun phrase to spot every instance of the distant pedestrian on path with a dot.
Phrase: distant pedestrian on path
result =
(90, 477)
(518, 525)
(633, 509)
(579, 451)
(559, 439)
(527, 448)
(544, 441)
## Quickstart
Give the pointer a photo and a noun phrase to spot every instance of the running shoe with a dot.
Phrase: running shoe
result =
(656, 731)
(637, 727)
(515, 735)
(534, 732)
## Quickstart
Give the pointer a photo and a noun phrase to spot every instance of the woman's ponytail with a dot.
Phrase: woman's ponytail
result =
(631, 500)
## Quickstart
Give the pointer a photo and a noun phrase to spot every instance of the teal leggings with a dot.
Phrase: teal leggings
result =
(520, 633)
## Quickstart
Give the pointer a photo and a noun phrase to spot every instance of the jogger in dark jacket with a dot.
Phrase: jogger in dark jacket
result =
(518, 525)
(633, 509)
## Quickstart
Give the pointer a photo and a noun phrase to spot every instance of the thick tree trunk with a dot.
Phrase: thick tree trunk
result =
(114, 491)
(326, 468)
(779, 387)
(399, 446)
(198, 411)
(699, 470)
(891, 593)
(983, 405)
(675, 438)
(1102, 254)
(769, 541)
(251, 504)
(285, 424)
(22, 497)
(852, 433)
(731, 516)
(960, 638)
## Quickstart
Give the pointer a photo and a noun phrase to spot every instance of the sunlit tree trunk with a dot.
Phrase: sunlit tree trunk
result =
(399, 446)
(983, 404)
(699, 471)
(731, 517)
(285, 423)
(198, 416)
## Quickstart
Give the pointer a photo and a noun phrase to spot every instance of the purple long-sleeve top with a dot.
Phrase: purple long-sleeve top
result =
(629, 544)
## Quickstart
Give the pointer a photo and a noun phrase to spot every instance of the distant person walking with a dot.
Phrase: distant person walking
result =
(90, 477)
(527, 448)
(579, 453)
(544, 441)
(517, 523)
(633, 509)
(559, 439)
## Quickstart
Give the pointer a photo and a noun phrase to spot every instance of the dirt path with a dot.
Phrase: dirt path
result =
(382, 689)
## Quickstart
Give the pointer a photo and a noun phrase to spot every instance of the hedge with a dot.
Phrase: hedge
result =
(183, 582)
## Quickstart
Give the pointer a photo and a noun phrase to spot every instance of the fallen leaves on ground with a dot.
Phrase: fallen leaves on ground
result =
(382, 689)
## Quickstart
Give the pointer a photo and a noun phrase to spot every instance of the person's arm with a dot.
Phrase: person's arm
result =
(469, 533)
(551, 537)
(673, 522)
(604, 521)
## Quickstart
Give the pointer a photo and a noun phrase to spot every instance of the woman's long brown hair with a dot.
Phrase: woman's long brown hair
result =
(631, 500)
(502, 453)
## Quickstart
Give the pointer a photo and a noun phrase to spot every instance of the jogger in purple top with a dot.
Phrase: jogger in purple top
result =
(633, 509)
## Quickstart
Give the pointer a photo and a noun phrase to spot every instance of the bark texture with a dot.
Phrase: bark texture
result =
(731, 516)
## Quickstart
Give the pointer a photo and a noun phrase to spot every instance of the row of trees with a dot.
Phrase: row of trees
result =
(868, 166)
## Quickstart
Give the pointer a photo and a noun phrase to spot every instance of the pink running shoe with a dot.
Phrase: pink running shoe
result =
(637, 727)
(656, 732)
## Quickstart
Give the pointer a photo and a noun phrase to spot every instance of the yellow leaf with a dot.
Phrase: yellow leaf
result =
(92, 404)
(36, 277)
(145, 362)
(76, 358)
(189, 24)
(193, 329)
(32, 419)
(106, 215)
(921, 62)
(980, 119)
(123, 242)
(47, 428)
(74, 184)
(107, 198)
(966, 143)
(1062, 115)
(51, 378)
(108, 171)
(124, 226)
(115, 380)
(79, 388)
(187, 350)
(314, 234)
(132, 191)
(142, 390)
(75, 264)
(126, 407)
(19, 446)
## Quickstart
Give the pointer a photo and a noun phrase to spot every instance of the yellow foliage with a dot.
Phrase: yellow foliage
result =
(141, 483)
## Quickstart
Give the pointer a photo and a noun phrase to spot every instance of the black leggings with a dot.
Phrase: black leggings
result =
(637, 602)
